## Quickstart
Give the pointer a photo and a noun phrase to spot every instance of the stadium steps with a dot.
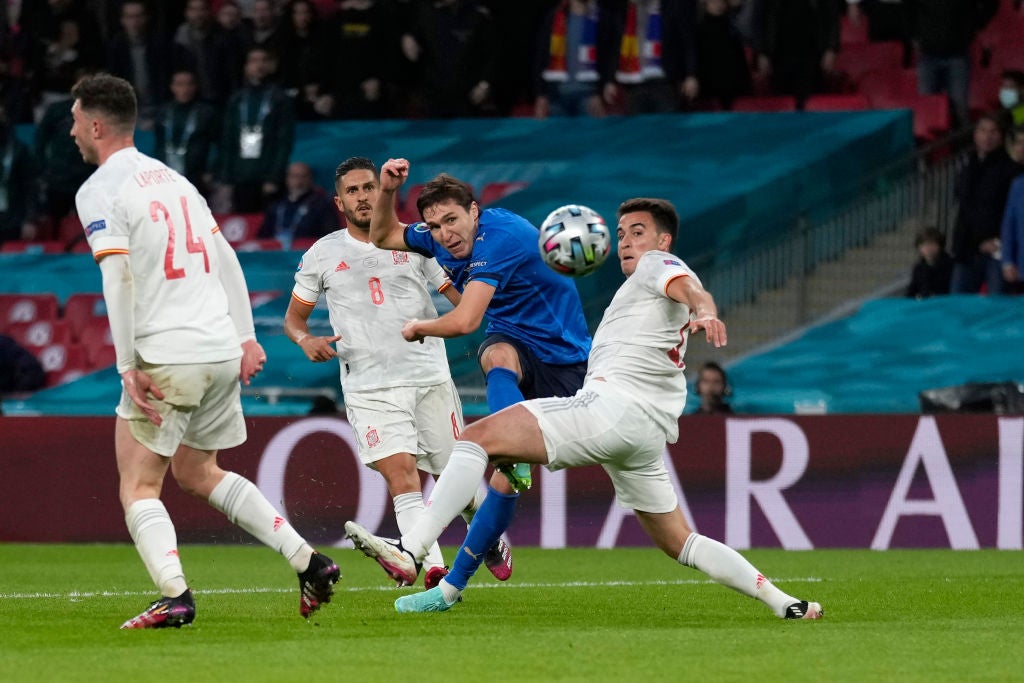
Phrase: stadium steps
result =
(881, 267)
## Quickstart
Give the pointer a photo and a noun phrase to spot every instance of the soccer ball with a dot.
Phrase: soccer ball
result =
(574, 240)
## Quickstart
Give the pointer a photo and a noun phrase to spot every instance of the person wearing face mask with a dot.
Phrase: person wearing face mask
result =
(1011, 96)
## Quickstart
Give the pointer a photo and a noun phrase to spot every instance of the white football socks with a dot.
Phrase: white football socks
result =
(408, 510)
(729, 568)
(246, 506)
(455, 487)
(153, 532)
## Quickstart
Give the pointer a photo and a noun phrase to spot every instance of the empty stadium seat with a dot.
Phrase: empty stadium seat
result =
(766, 103)
(259, 245)
(884, 87)
(82, 308)
(32, 247)
(20, 308)
(853, 35)
(931, 116)
(856, 60)
(63, 362)
(984, 92)
(239, 227)
(40, 333)
(497, 191)
(850, 102)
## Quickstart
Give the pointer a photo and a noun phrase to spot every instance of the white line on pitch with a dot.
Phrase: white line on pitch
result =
(80, 595)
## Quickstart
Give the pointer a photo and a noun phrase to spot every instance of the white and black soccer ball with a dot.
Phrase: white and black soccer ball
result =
(574, 240)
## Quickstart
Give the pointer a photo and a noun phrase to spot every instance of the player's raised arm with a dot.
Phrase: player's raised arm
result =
(386, 231)
(688, 290)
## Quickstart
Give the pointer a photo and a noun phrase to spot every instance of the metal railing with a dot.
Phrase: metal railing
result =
(917, 189)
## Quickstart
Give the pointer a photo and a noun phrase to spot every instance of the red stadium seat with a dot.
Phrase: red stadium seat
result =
(259, 245)
(40, 333)
(239, 227)
(98, 343)
(851, 102)
(984, 93)
(303, 243)
(32, 247)
(889, 88)
(853, 35)
(63, 362)
(931, 116)
(767, 103)
(20, 308)
(69, 228)
(497, 191)
(81, 309)
(857, 60)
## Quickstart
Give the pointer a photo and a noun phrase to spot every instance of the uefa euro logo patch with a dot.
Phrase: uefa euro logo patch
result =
(95, 226)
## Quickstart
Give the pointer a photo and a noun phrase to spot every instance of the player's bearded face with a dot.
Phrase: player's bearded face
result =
(452, 226)
(357, 193)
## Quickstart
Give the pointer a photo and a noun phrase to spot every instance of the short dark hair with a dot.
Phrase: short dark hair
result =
(110, 97)
(443, 188)
(929, 234)
(352, 164)
(664, 214)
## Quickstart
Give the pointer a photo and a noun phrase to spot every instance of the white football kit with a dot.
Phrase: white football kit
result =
(183, 335)
(399, 396)
(634, 393)
(136, 205)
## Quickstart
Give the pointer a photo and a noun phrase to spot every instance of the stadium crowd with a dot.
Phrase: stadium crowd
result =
(212, 74)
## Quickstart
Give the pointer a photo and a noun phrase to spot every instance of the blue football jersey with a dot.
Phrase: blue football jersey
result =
(532, 303)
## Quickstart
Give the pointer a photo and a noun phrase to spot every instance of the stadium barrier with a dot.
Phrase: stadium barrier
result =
(908, 481)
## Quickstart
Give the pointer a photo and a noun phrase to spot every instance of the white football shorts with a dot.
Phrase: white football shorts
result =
(423, 421)
(201, 408)
(606, 427)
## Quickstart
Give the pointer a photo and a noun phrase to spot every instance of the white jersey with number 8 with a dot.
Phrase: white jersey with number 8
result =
(371, 294)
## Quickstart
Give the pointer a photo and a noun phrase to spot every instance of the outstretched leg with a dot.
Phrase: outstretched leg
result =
(672, 534)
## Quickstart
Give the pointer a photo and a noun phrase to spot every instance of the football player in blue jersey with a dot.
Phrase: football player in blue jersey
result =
(537, 339)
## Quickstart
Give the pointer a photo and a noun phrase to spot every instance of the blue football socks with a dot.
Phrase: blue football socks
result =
(489, 522)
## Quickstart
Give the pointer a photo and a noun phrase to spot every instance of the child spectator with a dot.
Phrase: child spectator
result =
(934, 268)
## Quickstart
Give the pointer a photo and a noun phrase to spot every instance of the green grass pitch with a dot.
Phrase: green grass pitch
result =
(566, 615)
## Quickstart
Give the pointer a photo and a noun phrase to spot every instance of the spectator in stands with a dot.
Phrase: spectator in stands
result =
(198, 47)
(20, 371)
(1015, 145)
(1012, 238)
(259, 131)
(981, 190)
(186, 131)
(456, 45)
(933, 270)
(713, 389)
(61, 56)
(1011, 96)
(655, 54)
(888, 20)
(61, 167)
(943, 31)
(141, 56)
(234, 38)
(266, 32)
(722, 69)
(354, 85)
(303, 57)
(567, 75)
(306, 211)
(15, 93)
(17, 180)
(797, 45)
